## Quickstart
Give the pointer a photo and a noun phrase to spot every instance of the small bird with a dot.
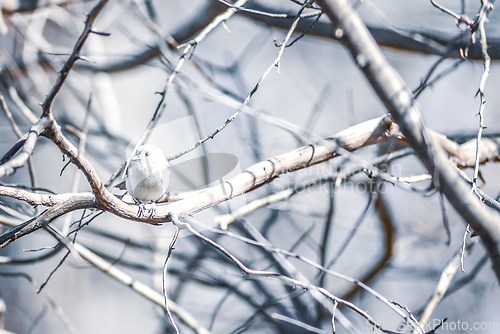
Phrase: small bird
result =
(148, 176)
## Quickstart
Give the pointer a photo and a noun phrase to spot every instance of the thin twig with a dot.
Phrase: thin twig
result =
(53, 271)
(342, 248)
(273, 15)
(492, 203)
(295, 282)
(13, 123)
(298, 323)
(19, 134)
(328, 225)
(26, 144)
(427, 82)
(164, 278)
(388, 227)
(276, 63)
(446, 223)
(445, 10)
(444, 282)
(305, 31)
(464, 243)
(404, 307)
(335, 305)
(468, 278)
(75, 55)
(76, 176)
(154, 27)
(188, 47)
(140, 288)
(482, 103)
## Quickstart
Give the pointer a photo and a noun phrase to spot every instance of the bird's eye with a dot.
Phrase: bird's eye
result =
(147, 154)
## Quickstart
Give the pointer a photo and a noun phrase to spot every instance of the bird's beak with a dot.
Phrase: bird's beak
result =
(135, 158)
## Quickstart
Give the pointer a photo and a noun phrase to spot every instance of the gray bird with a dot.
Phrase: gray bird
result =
(148, 175)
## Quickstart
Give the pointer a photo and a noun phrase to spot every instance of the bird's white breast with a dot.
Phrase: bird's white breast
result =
(148, 177)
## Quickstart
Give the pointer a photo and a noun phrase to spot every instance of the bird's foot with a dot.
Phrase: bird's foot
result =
(145, 207)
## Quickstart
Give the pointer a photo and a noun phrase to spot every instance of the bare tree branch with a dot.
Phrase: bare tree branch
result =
(486, 7)
(426, 42)
(398, 99)
(140, 288)
(367, 133)
(75, 55)
(8, 165)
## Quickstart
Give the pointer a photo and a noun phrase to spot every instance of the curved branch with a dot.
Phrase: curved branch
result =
(8, 165)
(389, 243)
(76, 202)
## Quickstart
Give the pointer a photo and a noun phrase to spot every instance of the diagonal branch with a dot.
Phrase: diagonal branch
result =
(8, 164)
(396, 96)
(487, 60)
(363, 134)
(77, 202)
(75, 55)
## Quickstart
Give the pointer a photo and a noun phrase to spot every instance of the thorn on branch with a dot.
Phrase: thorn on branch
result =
(225, 26)
(100, 33)
(62, 170)
(84, 58)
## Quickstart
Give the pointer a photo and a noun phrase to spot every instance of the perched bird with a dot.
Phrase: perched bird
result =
(148, 175)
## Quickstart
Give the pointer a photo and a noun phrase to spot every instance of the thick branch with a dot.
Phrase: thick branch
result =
(367, 133)
(397, 98)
